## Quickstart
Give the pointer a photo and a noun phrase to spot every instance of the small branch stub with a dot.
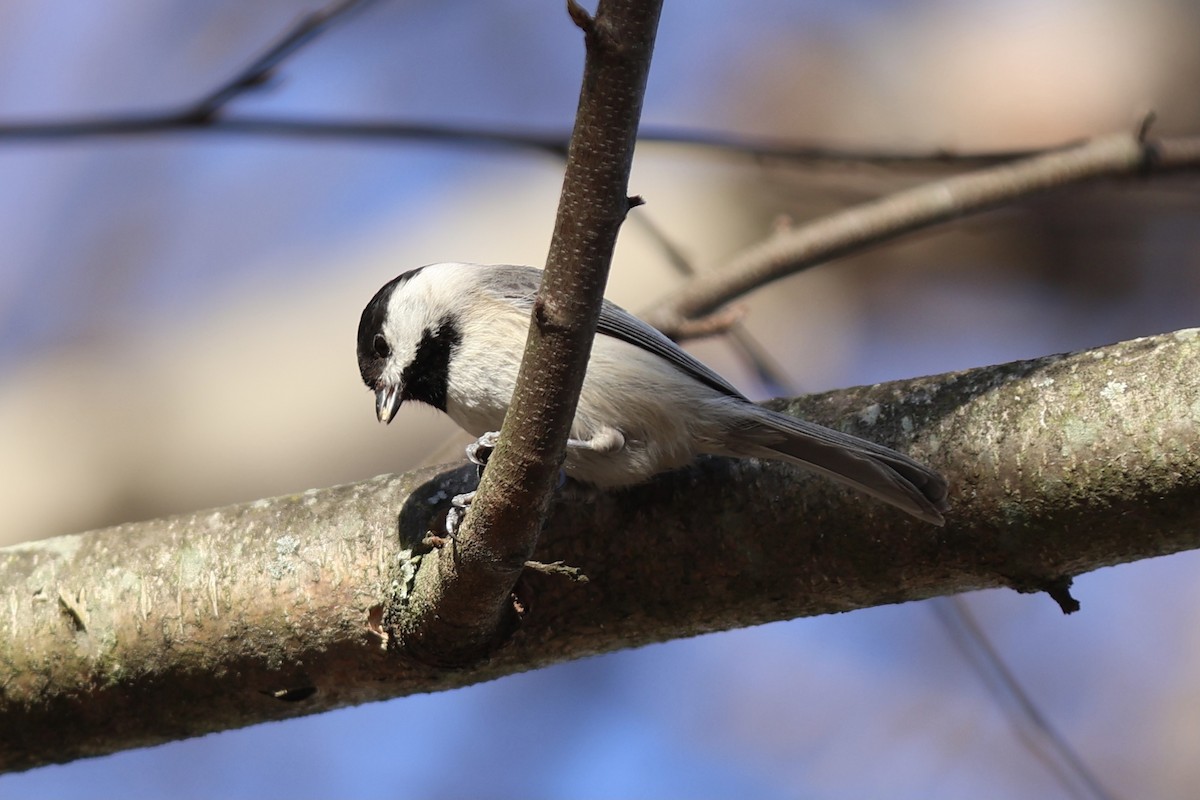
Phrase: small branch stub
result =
(558, 568)
(580, 16)
(1060, 592)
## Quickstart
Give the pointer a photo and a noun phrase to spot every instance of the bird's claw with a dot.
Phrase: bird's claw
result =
(478, 453)
(457, 513)
(480, 450)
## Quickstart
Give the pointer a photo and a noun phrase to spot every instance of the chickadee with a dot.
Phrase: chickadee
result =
(452, 336)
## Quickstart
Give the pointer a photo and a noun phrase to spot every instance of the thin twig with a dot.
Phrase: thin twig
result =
(766, 149)
(859, 227)
(766, 369)
(259, 71)
(1032, 726)
(553, 142)
(155, 124)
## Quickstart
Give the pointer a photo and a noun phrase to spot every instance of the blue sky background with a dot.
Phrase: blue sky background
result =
(175, 279)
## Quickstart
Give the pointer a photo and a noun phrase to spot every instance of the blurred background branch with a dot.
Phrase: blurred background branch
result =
(684, 314)
(208, 114)
(260, 71)
(202, 119)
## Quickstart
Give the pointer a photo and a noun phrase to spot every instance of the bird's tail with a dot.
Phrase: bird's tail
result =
(872, 468)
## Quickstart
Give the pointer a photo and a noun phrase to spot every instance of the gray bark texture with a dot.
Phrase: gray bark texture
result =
(153, 631)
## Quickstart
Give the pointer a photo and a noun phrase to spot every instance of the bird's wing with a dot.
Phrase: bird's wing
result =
(620, 324)
(519, 285)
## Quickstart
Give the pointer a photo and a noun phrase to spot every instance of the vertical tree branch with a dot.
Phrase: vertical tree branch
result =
(460, 608)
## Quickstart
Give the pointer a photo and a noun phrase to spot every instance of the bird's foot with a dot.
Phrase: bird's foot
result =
(480, 450)
(478, 453)
(454, 520)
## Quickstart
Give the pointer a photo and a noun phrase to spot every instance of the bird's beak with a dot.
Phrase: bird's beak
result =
(387, 403)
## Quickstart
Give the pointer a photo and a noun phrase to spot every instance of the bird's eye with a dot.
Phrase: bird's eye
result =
(380, 346)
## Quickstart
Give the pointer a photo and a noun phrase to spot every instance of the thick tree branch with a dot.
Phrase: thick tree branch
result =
(460, 608)
(855, 229)
(160, 630)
